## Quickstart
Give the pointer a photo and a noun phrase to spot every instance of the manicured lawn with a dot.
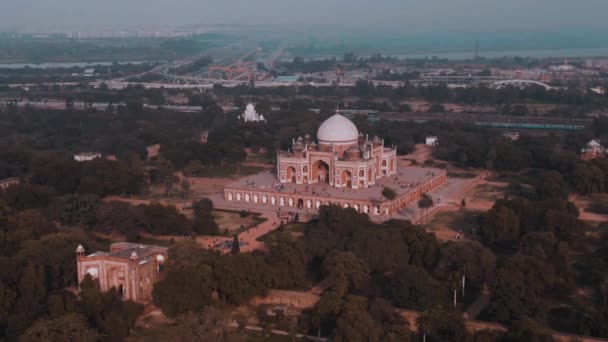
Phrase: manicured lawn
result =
(154, 242)
(466, 175)
(229, 171)
(525, 177)
(464, 220)
(267, 158)
(232, 220)
(295, 229)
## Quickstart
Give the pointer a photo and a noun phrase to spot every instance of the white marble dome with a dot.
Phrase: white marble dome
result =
(337, 130)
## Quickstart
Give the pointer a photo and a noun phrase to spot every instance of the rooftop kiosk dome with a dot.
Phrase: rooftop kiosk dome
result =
(337, 130)
(250, 115)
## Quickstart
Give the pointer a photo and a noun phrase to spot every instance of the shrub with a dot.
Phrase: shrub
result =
(389, 193)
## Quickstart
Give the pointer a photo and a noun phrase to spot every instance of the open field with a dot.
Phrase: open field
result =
(485, 194)
(227, 172)
(445, 224)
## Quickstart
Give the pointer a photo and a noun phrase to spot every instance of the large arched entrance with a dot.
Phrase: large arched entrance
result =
(300, 203)
(290, 174)
(320, 172)
(347, 179)
(115, 278)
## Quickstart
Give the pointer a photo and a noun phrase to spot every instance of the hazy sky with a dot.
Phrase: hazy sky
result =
(405, 15)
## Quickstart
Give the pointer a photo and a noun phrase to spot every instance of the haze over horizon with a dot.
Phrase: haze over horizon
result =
(395, 15)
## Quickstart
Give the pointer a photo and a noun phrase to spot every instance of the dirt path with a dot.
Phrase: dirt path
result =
(583, 203)
(479, 304)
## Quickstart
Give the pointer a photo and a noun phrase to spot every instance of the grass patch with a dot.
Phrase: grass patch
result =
(525, 177)
(267, 158)
(464, 220)
(463, 175)
(155, 242)
(228, 171)
(488, 192)
(232, 221)
(296, 230)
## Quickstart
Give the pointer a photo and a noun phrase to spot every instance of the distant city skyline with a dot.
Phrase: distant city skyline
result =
(395, 15)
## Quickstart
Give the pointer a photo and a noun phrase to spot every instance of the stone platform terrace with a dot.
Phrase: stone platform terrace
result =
(263, 192)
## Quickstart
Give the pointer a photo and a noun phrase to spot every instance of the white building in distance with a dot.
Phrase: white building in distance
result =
(432, 140)
(250, 115)
(86, 156)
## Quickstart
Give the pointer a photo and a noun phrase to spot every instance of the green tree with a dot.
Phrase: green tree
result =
(236, 245)
(30, 302)
(55, 253)
(204, 222)
(389, 193)
(288, 263)
(413, 288)
(512, 296)
(356, 324)
(395, 328)
(22, 226)
(107, 311)
(442, 325)
(526, 329)
(467, 259)
(345, 272)
(241, 277)
(210, 324)
(67, 328)
(189, 282)
(169, 184)
(76, 209)
(551, 184)
(184, 289)
(424, 203)
(185, 187)
(500, 226)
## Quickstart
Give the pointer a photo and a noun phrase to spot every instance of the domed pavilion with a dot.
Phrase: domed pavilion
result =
(340, 166)
(250, 115)
(341, 157)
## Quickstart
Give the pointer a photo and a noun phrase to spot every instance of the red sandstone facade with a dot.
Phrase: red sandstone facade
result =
(342, 167)
(274, 199)
(131, 268)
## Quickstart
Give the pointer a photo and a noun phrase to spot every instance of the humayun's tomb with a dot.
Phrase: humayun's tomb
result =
(341, 167)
